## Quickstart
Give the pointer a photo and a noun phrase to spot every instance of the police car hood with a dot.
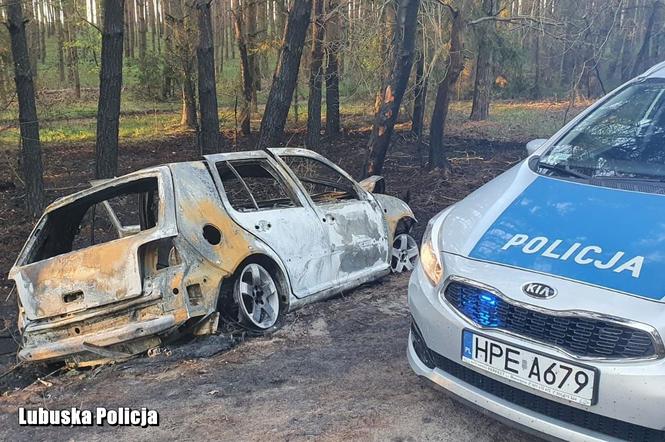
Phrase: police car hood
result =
(603, 237)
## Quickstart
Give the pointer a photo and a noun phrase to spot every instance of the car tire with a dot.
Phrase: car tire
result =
(404, 252)
(254, 299)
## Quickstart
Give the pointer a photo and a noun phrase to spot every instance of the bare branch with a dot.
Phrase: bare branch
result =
(516, 19)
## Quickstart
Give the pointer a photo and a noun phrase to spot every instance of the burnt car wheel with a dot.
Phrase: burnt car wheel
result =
(257, 297)
(404, 253)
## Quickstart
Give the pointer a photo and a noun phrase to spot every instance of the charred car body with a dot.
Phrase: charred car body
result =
(111, 270)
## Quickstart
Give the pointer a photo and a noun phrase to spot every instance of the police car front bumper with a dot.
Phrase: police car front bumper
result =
(630, 393)
(499, 408)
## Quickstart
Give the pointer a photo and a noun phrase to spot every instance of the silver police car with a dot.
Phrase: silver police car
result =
(540, 298)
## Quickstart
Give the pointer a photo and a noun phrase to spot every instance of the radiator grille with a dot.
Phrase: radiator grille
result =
(585, 337)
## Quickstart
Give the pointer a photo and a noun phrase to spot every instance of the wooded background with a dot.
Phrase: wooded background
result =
(263, 60)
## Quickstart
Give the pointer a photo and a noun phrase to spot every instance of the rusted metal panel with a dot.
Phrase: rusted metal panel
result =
(94, 276)
(81, 280)
(394, 211)
(101, 339)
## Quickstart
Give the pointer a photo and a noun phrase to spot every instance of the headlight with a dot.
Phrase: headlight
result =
(429, 257)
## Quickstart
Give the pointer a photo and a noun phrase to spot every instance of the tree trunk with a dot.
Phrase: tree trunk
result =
(568, 57)
(388, 44)
(4, 77)
(31, 152)
(627, 49)
(110, 86)
(332, 70)
(98, 12)
(437, 156)
(393, 91)
(42, 31)
(48, 18)
(126, 34)
(73, 57)
(205, 54)
(482, 89)
(220, 33)
(262, 20)
(286, 74)
(60, 31)
(188, 115)
(250, 20)
(642, 57)
(167, 67)
(32, 37)
(231, 32)
(420, 97)
(483, 84)
(245, 69)
(271, 20)
(142, 30)
(296, 102)
(150, 6)
(312, 141)
(281, 11)
(536, 89)
(131, 27)
(185, 57)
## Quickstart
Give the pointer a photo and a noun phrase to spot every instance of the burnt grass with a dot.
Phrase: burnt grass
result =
(69, 168)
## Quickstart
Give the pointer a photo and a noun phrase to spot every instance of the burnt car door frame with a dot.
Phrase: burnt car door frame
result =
(295, 234)
(356, 228)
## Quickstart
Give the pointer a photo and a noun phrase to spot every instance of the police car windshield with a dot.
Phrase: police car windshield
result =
(622, 139)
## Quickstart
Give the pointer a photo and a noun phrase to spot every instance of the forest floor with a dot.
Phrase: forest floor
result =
(337, 370)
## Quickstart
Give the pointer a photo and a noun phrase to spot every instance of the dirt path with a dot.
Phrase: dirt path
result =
(336, 371)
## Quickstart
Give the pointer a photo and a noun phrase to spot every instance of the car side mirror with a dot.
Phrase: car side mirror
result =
(374, 184)
(533, 145)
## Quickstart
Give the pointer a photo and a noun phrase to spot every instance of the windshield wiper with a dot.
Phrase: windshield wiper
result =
(563, 170)
(632, 178)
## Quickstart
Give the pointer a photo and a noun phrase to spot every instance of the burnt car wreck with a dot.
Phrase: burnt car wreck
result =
(113, 270)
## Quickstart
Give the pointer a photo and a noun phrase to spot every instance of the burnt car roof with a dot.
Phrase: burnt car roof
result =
(98, 185)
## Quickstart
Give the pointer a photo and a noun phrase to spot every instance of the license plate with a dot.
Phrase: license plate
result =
(552, 376)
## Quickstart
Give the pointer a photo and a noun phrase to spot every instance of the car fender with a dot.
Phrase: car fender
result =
(394, 210)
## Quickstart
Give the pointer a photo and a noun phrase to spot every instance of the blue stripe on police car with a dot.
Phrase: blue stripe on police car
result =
(606, 237)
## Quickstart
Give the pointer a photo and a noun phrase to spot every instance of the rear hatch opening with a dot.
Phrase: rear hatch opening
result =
(85, 251)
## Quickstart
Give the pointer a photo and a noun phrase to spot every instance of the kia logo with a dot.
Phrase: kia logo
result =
(537, 290)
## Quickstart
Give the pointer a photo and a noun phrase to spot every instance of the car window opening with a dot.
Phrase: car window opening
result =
(100, 217)
(323, 183)
(253, 185)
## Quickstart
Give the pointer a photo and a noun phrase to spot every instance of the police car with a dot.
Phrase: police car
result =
(540, 298)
